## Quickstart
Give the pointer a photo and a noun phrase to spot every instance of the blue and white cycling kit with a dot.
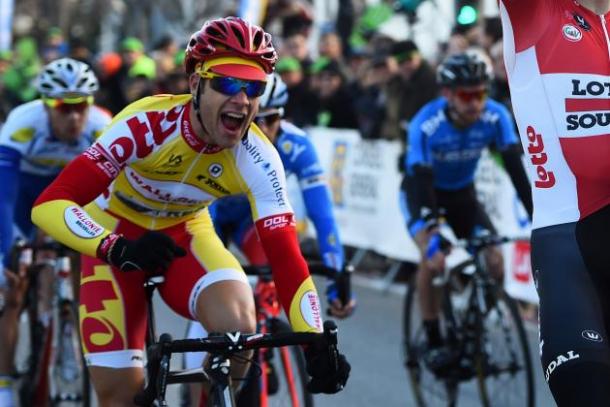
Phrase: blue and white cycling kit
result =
(30, 158)
(298, 157)
(451, 155)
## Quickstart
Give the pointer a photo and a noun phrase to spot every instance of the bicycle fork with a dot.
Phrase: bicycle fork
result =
(65, 372)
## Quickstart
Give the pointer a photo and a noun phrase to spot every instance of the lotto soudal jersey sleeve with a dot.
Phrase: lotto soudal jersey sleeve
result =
(558, 65)
(149, 167)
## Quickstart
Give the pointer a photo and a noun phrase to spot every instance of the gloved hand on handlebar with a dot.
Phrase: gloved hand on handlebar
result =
(329, 369)
(152, 252)
(341, 300)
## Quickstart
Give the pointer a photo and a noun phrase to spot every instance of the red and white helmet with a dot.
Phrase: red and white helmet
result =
(230, 37)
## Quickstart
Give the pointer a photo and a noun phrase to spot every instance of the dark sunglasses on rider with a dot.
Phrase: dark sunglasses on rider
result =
(470, 95)
(68, 105)
(230, 86)
(268, 119)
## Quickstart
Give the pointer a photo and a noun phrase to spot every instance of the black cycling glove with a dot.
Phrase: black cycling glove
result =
(329, 371)
(152, 252)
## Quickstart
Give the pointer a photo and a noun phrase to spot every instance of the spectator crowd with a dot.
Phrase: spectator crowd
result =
(352, 76)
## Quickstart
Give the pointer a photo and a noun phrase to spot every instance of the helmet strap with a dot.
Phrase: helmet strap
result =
(196, 105)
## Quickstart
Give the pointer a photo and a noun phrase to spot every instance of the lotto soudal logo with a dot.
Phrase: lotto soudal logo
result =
(592, 335)
(278, 221)
(589, 108)
(571, 33)
(559, 360)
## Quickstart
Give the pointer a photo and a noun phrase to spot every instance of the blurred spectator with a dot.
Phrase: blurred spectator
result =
(412, 86)
(164, 54)
(80, 51)
(498, 88)
(134, 77)
(331, 47)
(176, 81)
(55, 45)
(369, 95)
(336, 104)
(301, 107)
(19, 77)
(296, 46)
(492, 32)
(8, 99)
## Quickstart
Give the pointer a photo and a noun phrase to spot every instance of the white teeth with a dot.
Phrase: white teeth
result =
(235, 115)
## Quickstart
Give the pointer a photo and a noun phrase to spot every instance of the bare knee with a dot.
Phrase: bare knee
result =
(227, 306)
(116, 387)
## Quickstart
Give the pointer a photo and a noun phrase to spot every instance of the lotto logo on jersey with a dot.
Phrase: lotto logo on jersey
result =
(545, 178)
(140, 142)
(279, 221)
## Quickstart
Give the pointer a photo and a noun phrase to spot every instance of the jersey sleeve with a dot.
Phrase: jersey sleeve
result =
(9, 174)
(59, 209)
(418, 148)
(274, 219)
(526, 19)
(318, 203)
(17, 134)
(506, 135)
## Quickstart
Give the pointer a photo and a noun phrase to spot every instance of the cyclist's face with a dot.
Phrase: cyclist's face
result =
(226, 118)
(269, 122)
(468, 102)
(68, 120)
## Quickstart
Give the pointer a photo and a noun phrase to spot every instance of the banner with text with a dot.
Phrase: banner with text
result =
(365, 182)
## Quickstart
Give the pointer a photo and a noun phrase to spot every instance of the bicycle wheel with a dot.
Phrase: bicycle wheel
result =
(427, 389)
(505, 374)
(282, 374)
(69, 379)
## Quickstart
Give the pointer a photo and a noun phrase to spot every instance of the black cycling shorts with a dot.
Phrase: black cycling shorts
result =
(464, 212)
(571, 265)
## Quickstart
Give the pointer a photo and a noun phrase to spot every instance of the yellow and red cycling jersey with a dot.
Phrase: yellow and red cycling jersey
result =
(150, 168)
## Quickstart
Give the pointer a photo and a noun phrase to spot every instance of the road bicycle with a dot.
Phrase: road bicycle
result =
(221, 349)
(484, 331)
(279, 377)
(50, 369)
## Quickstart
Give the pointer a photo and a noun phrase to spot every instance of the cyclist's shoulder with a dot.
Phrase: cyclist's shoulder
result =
(431, 109)
(430, 118)
(23, 122)
(493, 112)
(157, 103)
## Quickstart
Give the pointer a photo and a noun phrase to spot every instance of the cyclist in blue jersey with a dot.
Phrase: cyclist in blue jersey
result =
(38, 139)
(445, 141)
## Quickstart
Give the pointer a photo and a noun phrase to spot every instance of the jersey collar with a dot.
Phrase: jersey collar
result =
(189, 136)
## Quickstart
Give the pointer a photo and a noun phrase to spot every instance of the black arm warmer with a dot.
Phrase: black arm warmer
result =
(514, 168)
(419, 189)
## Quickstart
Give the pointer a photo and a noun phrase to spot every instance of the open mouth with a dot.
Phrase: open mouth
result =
(232, 121)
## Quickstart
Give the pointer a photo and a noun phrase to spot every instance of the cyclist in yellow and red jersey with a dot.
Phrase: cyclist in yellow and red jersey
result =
(557, 60)
(135, 204)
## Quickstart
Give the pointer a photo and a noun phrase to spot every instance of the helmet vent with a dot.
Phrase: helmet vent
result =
(239, 36)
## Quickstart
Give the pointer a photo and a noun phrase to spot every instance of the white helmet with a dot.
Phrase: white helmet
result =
(276, 93)
(66, 77)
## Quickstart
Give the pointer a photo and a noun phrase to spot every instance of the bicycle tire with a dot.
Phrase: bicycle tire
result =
(288, 365)
(506, 314)
(427, 390)
(80, 386)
